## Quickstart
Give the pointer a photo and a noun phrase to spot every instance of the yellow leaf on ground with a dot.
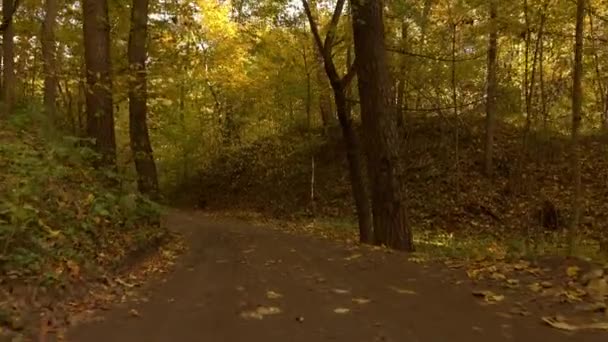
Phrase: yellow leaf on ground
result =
(273, 295)
(352, 257)
(535, 287)
(573, 271)
(340, 291)
(341, 311)
(403, 291)
(361, 300)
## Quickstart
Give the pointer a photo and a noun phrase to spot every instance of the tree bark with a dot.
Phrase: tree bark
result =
(491, 88)
(351, 140)
(577, 104)
(100, 116)
(8, 54)
(383, 127)
(147, 178)
(49, 52)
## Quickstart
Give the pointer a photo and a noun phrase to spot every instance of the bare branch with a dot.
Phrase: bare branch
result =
(333, 25)
(313, 27)
(435, 58)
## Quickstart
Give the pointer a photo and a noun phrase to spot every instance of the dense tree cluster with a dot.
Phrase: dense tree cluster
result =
(188, 79)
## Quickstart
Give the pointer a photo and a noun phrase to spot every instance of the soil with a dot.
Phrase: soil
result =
(306, 289)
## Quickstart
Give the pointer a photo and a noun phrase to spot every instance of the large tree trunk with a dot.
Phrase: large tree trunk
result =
(100, 116)
(49, 51)
(353, 153)
(8, 54)
(491, 88)
(355, 164)
(147, 179)
(577, 103)
(383, 127)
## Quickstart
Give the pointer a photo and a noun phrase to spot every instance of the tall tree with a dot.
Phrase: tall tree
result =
(383, 127)
(100, 116)
(9, 7)
(138, 127)
(340, 86)
(577, 106)
(49, 51)
(324, 96)
(491, 88)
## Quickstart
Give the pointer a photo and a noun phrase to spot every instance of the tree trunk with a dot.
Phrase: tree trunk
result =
(353, 153)
(147, 179)
(383, 127)
(49, 52)
(8, 54)
(491, 89)
(323, 84)
(577, 104)
(327, 118)
(100, 116)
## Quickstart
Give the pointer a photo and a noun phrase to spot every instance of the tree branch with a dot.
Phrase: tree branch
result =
(333, 25)
(313, 27)
(435, 58)
(352, 71)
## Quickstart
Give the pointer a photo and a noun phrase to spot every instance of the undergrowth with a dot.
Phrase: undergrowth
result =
(60, 219)
(454, 208)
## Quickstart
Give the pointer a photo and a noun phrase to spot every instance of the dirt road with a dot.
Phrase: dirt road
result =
(244, 283)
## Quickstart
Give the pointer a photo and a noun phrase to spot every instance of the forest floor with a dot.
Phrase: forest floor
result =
(240, 281)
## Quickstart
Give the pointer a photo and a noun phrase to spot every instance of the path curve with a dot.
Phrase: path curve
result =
(232, 268)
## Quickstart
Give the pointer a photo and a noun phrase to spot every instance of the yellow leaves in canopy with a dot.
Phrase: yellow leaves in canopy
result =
(215, 20)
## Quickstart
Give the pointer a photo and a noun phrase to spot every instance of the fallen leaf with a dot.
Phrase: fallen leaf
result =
(273, 295)
(260, 312)
(535, 287)
(513, 282)
(573, 271)
(498, 276)
(562, 325)
(271, 310)
(521, 265)
(352, 257)
(340, 291)
(341, 311)
(361, 300)
(124, 283)
(489, 296)
(417, 259)
(546, 284)
(403, 291)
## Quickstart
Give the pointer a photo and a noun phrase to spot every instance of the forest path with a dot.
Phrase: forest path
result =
(321, 289)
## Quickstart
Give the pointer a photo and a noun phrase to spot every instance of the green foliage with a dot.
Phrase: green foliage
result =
(56, 209)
